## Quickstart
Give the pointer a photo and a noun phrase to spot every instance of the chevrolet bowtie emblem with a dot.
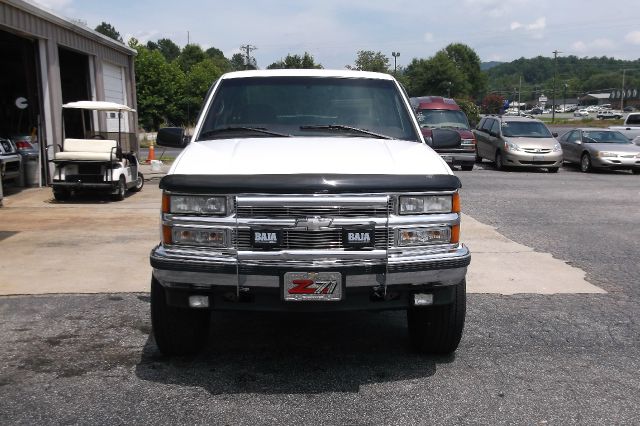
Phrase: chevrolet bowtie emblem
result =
(313, 223)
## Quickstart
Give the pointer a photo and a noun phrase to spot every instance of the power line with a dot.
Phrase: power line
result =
(247, 48)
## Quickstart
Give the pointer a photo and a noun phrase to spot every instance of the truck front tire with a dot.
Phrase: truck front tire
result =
(438, 329)
(177, 331)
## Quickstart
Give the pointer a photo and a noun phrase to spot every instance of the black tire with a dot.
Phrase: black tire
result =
(139, 183)
(121, 190)
(438, 329)
(635, 171)
(467, 167)
(177, 331)
(585, 163)
(552, 169)
(478, 158)
(499, 161)
(61, 194)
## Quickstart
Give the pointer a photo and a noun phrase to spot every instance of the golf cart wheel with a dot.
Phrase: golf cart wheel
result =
(438, 329)
(585, 163)
(139, 183)
(121, 190)
(61, 194)
(177, 331)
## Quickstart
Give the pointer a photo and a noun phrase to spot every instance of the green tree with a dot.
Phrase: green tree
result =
(237, 62)
(437, 75)
(108, 30)
(191, 54)
(168, 49)
(197, 83)
(218, 59)
(467, 61)
(470, 109)
(160, 85)
(305, 61)
(368, 60)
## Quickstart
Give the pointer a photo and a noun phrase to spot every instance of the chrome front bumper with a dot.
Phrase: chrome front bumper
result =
(196, 268)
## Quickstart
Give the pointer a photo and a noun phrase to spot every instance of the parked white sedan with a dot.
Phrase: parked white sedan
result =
(581, 113)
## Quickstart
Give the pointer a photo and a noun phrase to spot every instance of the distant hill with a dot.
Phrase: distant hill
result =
(488, 65)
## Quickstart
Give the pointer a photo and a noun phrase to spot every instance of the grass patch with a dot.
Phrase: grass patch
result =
(584, 122)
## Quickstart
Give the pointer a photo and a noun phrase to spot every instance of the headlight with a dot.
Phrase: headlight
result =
(607, 154)
(557, 147)
(429, 204)
(196, 237)
(424, 236)
(510, 146)
(197, 204)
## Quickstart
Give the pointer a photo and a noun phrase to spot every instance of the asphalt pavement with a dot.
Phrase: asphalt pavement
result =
(524, 359)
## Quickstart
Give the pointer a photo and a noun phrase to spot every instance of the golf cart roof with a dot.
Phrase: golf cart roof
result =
(98, 106)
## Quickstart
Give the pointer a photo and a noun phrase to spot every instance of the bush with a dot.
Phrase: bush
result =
(471, 110)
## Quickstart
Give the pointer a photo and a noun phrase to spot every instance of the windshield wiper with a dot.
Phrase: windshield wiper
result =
(342, 127)
(241, 128)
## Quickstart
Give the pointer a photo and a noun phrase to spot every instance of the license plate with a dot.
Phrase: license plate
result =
(538, 158)
(313, 286)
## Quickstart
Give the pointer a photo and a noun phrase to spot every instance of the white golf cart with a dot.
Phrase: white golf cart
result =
(96, 163)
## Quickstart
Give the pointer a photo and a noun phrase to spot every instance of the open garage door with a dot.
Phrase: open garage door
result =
(75, 82)
(19, 91)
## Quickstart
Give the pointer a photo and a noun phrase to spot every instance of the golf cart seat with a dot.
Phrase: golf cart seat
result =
(88, 150)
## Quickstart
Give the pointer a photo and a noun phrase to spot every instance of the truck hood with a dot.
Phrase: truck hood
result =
(308, 155)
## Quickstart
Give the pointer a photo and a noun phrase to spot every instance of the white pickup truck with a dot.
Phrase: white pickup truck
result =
(308, 190)
(630, 128)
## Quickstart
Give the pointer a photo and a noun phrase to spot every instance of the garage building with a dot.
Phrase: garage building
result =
(49, 60)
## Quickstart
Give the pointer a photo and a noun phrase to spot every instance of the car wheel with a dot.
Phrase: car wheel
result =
(177, 331)
(121, 190)
(438, 329)
(467, 167)
(478, 158)
(585, 163)
(552, 169)
(635, 171)
(61, 194)
(139, 183)
(499, 162)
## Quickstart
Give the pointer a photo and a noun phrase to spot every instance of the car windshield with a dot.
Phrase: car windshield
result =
(602, 136)
(525, 129)
(442, 118)
(307, 106)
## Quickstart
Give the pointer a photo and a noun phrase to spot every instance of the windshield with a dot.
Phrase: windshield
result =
(307, 106)
(525, 129)
(604, 137)
(442, 118)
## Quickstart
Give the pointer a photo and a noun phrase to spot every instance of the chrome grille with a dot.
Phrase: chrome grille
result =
(283, 212)
(314, 240)
(536, 150)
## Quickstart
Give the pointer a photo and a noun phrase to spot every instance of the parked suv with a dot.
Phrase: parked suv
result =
(436, 112)
(9, 160)
(517, 142)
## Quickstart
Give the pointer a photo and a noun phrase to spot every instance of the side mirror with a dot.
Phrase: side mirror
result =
(554, 134)
(445, 138)
(172, 137)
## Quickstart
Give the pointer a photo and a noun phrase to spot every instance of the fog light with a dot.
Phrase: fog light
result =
(422, 299)
(198, 301)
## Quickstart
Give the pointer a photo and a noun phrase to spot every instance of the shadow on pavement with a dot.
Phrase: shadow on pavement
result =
(273, 353)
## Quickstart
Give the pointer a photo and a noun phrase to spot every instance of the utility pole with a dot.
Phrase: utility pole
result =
(555, 71)
(188, 38)
(519, 92)
(247, 48)
(395, 61)
(622, 94)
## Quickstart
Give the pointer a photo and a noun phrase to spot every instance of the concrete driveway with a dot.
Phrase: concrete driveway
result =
(93, 245)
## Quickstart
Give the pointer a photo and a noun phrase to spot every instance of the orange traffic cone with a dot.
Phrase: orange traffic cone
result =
(152, 154)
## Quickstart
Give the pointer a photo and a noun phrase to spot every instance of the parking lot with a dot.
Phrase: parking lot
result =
(551, 333)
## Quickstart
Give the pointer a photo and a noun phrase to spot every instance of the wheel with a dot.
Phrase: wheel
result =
(585, 163)
(438, 329)
(139, 183)
(177, 331)
(499, 162)
(552, 169)
(61, 194)
(121, 190)
(478, 158)
(467, 167)
(635, 171)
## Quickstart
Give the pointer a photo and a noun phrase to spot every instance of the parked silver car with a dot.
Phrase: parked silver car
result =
(595, 148)
(517, 142)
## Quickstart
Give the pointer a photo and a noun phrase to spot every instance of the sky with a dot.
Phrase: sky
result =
(333, 31)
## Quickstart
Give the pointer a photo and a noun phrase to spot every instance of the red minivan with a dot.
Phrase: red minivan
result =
(436, 112)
